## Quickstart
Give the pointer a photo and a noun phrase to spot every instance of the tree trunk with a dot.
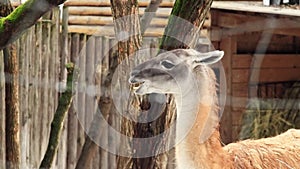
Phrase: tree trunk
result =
(125, 14)
(12, 112)
(178, 34)
(149, 14)
(12, 107)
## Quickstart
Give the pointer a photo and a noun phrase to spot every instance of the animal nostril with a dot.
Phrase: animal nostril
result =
(133, 81)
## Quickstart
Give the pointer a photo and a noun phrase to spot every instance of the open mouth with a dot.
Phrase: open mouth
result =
(135, 84)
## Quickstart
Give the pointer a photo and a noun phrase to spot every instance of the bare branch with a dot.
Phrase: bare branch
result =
(58, 120)
(149, 14)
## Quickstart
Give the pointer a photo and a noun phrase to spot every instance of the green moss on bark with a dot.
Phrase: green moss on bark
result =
(178, 34)
(26, 15)
(58, 120)
(1, 25)
(12, 17)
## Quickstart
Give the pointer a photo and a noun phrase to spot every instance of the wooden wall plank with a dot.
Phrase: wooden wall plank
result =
(114, 118)
(46, 115)
(54, 70)
(96, 160)
(72, 115)
(286, 31)
(24, 118)
(253, 7)
(35, 84)
(109, 30)
(239, 103)
(269, 61)
(240, 89)
(235, 132)
(80, 103)
(56, 42)
(90, 20)
(248, 43)
(31, 111)
(90, 81)
(63, 146)
(232, 20)
(237, 116)
(266, 75)
(240, 23)
(104, 155)
(108, 21)
(72, 138)
(40, 87)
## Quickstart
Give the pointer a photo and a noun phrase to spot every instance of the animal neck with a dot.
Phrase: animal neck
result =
(197, 131)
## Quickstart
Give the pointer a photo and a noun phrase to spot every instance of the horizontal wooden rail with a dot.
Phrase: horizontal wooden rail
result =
(269, 61)
(266, 75)
(107, 3)
(97, 20)
(108, 30)
(106, 11)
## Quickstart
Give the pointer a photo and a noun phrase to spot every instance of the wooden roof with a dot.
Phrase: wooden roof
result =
(257, 7)
(94, 17)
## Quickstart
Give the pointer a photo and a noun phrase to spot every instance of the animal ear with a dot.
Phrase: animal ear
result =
(208, 58)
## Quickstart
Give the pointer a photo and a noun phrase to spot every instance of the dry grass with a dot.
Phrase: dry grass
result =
(270, 117)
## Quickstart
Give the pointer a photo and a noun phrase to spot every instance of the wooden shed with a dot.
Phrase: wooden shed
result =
(262, 46)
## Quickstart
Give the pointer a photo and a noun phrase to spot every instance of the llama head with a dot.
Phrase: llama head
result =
(171, 72)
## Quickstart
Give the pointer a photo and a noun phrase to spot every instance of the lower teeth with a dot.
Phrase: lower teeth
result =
(136, 87)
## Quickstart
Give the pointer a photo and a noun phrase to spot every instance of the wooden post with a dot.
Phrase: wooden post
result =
(80, 102)
(228, 44)
(25, 120)
(2, 113)
(46, 54)
(11, 69)
(39, 109)
(12, 107)
(72, 116)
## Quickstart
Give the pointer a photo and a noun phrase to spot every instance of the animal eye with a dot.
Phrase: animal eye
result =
(167, 64)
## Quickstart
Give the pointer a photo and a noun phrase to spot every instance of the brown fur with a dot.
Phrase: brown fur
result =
(209, 154)
(280, 152)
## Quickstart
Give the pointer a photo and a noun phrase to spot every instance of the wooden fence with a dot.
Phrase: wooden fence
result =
(38, 52)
